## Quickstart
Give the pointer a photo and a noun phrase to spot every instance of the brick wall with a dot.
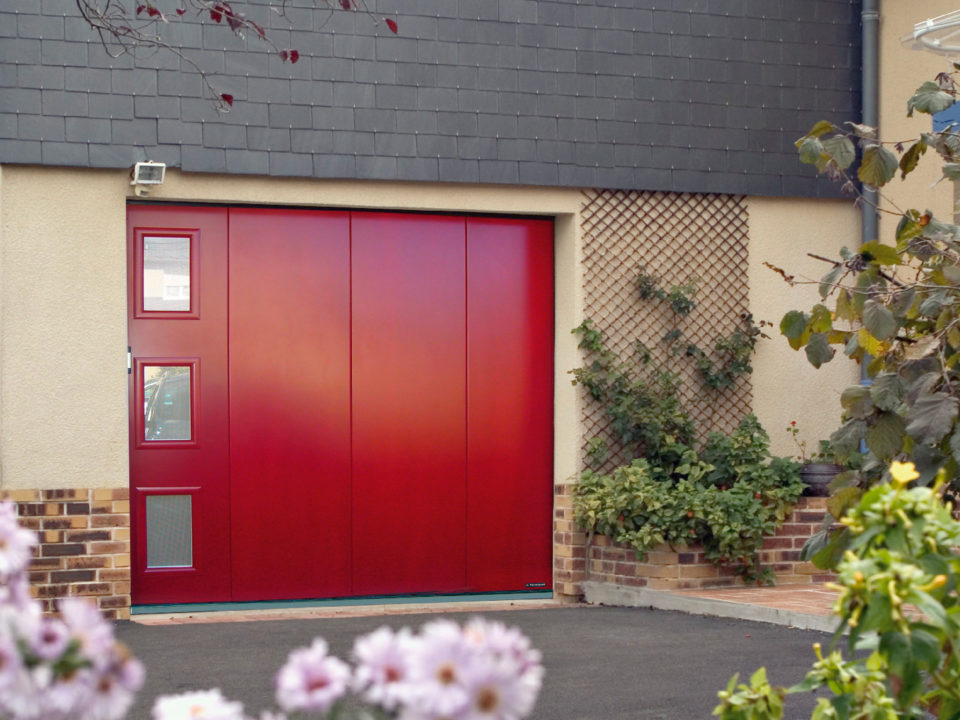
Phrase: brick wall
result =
(675, 569)
(84, 545)
(569, 547)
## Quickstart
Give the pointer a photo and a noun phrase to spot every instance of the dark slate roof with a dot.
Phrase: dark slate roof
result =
(682, 95)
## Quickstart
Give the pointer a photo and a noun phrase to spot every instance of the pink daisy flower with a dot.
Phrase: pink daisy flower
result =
(311, 679)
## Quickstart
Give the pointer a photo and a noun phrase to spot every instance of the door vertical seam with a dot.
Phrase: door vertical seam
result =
(229, 414)
(466, 402)
(350, 383)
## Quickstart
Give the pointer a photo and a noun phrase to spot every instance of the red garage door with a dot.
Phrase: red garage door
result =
(331, 404)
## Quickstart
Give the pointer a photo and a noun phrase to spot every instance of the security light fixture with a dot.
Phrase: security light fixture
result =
(146, 173)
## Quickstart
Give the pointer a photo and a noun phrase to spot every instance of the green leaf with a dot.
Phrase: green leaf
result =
(821, 128)
(828, 281)
(903, 301)
(929, 98)
(846, 439)
(856, 401)
(840, 149)
(868, 342)
(877, 251)
(827, 557)
(909, 160)
(794, 324)
(951, 273)
(887, 391)
(842, 499)
(878, 319)
(955, 444)
(930, 607)
(819, 350)
(885, 436)
(878, 166)
(910, 226)
(845, 309)
(931, 417)
(810, 151)
(820, 320)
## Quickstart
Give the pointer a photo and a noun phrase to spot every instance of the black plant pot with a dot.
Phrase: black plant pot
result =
(817, 477)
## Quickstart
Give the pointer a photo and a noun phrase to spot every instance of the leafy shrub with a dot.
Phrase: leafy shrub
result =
(898, 597)
(726, 498)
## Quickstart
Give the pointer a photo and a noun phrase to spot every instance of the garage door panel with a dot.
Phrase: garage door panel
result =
(510, 401)
(191, 464)
(290, 404)
(409, 438)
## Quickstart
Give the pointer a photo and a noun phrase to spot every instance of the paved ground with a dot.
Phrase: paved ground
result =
(602, 663)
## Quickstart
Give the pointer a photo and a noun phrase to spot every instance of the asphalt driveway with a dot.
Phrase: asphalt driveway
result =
(601, 663)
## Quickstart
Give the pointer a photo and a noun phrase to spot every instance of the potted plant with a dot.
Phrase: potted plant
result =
(817, 470)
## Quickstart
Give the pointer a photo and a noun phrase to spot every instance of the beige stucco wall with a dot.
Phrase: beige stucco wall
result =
(785, 386)
(63, 330)
(63, 339)
(902, 71)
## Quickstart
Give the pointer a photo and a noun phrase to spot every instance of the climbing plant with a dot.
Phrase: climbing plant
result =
(725, 495)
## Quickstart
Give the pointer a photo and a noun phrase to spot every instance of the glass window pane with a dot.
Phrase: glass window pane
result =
(166, 402)
(169, 531)
(166, 274)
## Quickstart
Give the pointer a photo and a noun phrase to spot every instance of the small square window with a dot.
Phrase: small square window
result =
(166, 403)
(166, 274)
(169, 531)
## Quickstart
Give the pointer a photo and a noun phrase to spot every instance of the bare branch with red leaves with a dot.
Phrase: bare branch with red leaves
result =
(126, 26)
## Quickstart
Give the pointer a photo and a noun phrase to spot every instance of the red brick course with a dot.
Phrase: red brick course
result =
(84, 546)
(673, 569)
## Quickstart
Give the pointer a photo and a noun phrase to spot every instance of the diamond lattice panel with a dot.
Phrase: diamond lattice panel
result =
(676, 237)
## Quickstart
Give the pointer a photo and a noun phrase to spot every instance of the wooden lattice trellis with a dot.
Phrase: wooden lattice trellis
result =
(676, 237)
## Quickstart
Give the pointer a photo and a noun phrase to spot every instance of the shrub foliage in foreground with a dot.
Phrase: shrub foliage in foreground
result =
(898, 599)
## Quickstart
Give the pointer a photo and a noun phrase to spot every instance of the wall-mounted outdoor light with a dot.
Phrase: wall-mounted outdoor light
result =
(144, 174)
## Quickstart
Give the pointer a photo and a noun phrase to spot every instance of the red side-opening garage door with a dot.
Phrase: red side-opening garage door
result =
(332, 404)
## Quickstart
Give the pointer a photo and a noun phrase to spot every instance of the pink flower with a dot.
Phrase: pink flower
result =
(115, 686)
(50, 639)
(201, 705)
(439, 665)
(89, 629)
(498, 692)
(383, 666)
(311, 679)
(502, 642)
(15, 542)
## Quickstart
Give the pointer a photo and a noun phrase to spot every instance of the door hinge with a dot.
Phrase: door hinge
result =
(129, 360)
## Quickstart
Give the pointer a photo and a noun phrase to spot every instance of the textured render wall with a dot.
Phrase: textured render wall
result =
(785, 386)
(63, 330)
(902, 70)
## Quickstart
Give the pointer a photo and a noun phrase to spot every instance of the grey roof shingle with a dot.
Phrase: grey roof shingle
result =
(646, 94)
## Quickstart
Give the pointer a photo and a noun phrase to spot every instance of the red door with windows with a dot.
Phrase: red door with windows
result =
(334, 404)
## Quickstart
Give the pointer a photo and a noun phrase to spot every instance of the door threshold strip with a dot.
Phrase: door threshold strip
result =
(339, 602)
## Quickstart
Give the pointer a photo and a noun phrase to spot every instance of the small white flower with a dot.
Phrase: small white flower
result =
(200, 705)
(311, 679)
